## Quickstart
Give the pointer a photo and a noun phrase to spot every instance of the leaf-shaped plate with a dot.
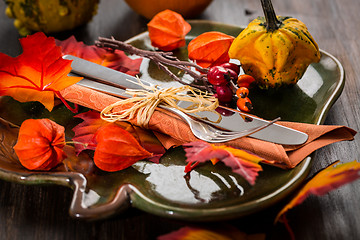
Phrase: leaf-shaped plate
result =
(209, 192)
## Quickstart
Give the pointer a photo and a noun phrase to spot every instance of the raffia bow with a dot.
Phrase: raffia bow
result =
(145, 101)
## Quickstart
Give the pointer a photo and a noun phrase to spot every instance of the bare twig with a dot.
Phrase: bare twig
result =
(163, 60)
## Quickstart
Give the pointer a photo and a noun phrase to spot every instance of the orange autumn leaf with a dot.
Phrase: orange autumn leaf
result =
(167, 30)
(117, 149)
(38, 74)
(210, 49)
(116, 59)
(323, 182)
(240, 161)
(40, 144)
(221, 233)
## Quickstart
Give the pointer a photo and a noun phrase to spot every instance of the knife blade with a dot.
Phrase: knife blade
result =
(111, 81)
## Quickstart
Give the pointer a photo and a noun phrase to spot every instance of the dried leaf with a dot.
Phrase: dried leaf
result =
(117, 149)
(116, 59)
(240, 161)
(8, 137)
(323, 182)
(221, 233)
(38, 73)
(80, 163)
(167, 30)
(85, 131)
(40, 144)
(210, 49)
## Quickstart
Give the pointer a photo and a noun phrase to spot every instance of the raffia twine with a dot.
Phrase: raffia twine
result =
(144, 102)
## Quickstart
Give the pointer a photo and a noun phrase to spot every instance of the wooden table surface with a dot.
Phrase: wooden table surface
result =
(41, 212)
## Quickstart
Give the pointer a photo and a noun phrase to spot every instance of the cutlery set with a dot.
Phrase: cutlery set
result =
(233, 125)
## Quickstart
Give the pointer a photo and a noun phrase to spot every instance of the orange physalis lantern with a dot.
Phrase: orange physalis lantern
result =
(40, 144)
(210, 49)
(167, 30)
(117, 149)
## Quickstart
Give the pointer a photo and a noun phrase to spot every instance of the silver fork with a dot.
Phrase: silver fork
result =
(201, 130)
(208, 133)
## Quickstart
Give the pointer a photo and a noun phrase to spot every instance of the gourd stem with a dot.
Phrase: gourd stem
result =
(272, 23)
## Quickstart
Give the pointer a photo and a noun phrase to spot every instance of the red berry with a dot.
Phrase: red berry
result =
(224, 93)
(224, 111)
(218, 75)
(232, 75)
(232, 66)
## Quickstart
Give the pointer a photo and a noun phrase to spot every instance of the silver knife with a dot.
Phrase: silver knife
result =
(96, 76)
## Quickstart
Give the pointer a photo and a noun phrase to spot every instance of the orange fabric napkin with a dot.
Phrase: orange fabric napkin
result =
(172, 130)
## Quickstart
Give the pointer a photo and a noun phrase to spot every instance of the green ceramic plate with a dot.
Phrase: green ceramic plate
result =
(209, 193)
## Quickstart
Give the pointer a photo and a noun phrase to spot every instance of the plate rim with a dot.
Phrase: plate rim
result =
(128, 195)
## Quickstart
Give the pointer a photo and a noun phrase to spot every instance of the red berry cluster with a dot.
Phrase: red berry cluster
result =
(226, 81)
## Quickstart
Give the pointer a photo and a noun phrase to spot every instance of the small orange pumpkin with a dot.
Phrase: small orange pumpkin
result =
(149, 8)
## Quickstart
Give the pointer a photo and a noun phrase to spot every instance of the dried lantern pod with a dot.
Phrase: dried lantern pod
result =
(167, 30)
(40, 144)
(210, 48)
(117, 149)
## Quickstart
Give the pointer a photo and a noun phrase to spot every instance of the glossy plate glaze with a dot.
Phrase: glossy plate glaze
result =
(209, 192)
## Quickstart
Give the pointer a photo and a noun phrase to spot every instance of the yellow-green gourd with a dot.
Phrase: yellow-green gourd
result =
(50, 16)
(275, 50)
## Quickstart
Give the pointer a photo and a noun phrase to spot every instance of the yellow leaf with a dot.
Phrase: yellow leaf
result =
(324, 181)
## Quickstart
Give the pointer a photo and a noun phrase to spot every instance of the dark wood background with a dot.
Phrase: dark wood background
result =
(41, 212)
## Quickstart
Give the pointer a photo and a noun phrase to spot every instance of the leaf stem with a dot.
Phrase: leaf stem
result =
(74, 110)
(288, 228)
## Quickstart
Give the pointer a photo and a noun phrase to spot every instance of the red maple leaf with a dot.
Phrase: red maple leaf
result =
(220, 232)
(38, 74)
(85, 131)
(117, 59)
(240, 161)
